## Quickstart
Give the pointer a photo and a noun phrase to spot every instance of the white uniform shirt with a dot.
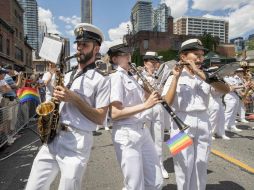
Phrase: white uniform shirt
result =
(50, 85)
(192, 93)
(94, 89)
(231, 81)
(125, 89)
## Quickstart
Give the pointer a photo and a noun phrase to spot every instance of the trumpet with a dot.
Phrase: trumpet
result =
(180, 124)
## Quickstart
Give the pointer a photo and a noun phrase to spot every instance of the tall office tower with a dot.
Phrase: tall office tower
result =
(161, 15)
(142, 15)
(86, 11)
(30, 20)
(199, 25)
(43, 30)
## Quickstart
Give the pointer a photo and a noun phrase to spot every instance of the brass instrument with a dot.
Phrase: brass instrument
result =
(49, 115)
(182, 126)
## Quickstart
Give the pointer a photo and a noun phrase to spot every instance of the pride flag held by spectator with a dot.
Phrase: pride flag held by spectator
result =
(28, 94)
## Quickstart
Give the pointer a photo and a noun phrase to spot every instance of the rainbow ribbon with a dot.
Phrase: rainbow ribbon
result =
(179, 142)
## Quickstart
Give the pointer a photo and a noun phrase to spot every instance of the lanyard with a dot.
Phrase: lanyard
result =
(84, 70)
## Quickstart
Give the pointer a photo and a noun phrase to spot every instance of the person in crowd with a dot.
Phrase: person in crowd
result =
(132, 140)
(41, 88)
(49, 80)
(84, 104)
(187, 91)
(156, 116)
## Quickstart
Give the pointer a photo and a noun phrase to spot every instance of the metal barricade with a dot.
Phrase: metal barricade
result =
(13, 118)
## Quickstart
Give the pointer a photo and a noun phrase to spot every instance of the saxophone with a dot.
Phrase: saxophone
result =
(48, 112)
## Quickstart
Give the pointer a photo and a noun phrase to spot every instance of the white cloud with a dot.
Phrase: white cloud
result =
(115, 36)
(74, 20)
(214, 5)
(240, 21)
(178, 7)
(47, 17)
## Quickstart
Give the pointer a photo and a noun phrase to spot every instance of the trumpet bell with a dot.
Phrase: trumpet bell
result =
(45, 108)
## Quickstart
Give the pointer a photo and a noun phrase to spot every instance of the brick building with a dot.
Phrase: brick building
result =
(14, 50)
(156, 41)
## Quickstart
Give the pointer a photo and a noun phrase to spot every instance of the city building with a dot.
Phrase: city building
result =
(239, 44)
(142, 16)
(43, 30)
(161, 15)
(14, 49)
(197, 26)
(86, 11)
(30, 20)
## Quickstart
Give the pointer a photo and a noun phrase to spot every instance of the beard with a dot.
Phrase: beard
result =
(85, 57)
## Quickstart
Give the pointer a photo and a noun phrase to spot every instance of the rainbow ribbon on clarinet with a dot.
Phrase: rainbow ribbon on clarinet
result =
(26, 94)
(179, 142)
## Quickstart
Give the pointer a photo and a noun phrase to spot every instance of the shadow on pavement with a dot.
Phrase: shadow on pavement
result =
(224, 185)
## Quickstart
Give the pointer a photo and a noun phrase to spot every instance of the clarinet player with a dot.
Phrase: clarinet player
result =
(84, 104)
(132, 141)
(187, 91)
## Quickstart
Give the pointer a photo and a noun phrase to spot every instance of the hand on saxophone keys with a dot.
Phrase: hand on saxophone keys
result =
(63, 94)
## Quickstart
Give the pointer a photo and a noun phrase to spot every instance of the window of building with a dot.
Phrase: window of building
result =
(1, 43)
(40, 68)
(145, 44)
(19, 54)
(8, 47)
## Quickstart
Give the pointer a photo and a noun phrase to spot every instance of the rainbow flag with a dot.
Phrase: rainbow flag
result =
(179, 142)
(28, 94)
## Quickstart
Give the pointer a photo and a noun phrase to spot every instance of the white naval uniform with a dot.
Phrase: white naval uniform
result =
(190, 105)
(231, 101)
(156, 122)
(133, 144)
(216, 112)
(70, 150)
(241, 108)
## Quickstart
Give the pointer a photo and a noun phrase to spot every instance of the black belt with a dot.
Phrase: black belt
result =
(11, 98)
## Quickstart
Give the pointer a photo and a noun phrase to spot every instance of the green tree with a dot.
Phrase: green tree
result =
(250, 45)
(209, 41)
(168, 54)
(136, 57)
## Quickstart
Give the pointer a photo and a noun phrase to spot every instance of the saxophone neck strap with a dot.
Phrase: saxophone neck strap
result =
(80, 73)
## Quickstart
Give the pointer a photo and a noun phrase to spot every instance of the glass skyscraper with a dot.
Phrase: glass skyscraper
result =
(30, 19)
(161, 15)
(86, 11)
(142, 15)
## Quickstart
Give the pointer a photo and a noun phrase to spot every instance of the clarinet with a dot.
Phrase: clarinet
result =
(180, 124)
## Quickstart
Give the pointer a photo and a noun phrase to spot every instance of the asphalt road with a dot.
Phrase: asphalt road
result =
(103, 172)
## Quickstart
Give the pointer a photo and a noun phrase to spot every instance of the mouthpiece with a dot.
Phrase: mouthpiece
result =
(71, 56)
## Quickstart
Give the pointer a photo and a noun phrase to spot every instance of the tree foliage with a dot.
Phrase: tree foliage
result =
(209, 41)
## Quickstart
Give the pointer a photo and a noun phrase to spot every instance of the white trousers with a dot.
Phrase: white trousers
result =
(231, 108)
(241, 110)
(217, 119)
(191, 163)
(69, 154)
(157, 127)
(137, 157)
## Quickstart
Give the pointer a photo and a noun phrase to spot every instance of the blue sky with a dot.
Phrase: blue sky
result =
(112, 16)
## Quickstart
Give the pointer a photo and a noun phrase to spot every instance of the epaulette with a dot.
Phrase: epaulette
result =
(102, 72)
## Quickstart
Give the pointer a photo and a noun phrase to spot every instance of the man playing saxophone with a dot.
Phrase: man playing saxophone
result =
(84, 104)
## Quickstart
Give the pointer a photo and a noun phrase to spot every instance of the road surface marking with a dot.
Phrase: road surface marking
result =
(233, 161)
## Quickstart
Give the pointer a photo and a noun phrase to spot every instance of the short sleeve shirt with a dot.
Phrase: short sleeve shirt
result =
(125, 89)
(94, 89)
(192, 93)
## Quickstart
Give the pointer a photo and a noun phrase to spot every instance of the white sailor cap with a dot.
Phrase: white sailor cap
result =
(192, 44)
(151, 55)
(239, 69)
(88, 32)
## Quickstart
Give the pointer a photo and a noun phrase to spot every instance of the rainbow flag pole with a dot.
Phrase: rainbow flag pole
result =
(179, 142)
(28, 94)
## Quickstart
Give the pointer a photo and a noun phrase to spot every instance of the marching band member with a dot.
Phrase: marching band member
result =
(133, 144)
(231, 101)
(84, 103)
(241, 108)
(187, 90)
(156, 119)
